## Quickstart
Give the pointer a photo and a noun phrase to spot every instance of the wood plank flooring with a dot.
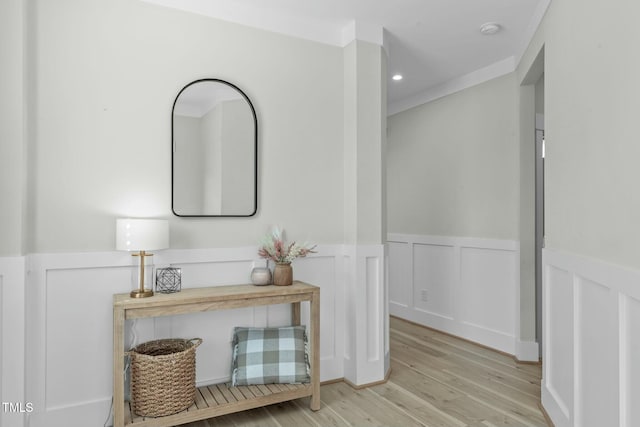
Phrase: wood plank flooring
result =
(436, 380)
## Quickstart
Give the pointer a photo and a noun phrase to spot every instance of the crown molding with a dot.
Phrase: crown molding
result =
(497, 69)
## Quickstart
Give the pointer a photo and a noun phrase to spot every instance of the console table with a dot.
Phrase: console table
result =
(216, 399)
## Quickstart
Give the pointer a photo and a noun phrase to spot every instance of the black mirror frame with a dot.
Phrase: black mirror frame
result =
(255, 149)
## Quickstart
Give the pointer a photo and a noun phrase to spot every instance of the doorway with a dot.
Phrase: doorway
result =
(531, 227)
(539, 183)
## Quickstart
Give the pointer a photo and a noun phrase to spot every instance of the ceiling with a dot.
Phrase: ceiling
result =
(435, 44)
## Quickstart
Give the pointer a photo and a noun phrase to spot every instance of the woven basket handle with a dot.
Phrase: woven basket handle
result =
(196, 342)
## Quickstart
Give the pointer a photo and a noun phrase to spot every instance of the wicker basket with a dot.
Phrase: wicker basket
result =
(163, 376)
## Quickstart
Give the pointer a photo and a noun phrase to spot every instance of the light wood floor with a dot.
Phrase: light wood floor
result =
(436, 380)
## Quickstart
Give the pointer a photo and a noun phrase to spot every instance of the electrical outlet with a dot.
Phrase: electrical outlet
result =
(424, 297)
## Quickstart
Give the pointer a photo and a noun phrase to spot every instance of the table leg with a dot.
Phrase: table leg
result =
(295, 313)
(118, 367)
(315, 350)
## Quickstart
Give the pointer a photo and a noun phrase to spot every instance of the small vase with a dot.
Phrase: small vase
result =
(261, 276)
(283, 274)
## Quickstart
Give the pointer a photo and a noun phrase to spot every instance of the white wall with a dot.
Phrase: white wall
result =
(12, 125)
(107, 75)
(591, 125)
(365, 139)
(452, 164)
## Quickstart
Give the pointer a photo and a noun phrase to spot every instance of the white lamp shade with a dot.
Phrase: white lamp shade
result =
(141, 234)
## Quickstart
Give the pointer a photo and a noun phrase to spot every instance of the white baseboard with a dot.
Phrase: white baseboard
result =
(527, 351)
(557, 412)
(94, 413)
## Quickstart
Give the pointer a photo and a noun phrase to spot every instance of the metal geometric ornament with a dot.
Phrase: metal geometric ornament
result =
(168, 280)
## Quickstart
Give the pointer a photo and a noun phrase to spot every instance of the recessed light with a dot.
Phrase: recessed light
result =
(490, 28)
(397, 77)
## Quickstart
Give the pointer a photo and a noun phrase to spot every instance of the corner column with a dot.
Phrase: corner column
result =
(365, 118)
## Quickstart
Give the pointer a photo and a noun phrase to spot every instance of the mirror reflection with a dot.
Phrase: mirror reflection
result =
(214, 161)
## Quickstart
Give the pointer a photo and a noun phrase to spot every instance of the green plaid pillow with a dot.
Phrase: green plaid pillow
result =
(269, 355)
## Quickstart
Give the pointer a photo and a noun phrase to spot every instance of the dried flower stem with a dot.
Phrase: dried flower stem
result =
(272, 247)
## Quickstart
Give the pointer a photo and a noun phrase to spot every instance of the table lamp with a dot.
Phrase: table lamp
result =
(141, 235)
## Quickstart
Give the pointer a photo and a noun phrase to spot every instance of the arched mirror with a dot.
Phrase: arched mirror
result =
(214, 158)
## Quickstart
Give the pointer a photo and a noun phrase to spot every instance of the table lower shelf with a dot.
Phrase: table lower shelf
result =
(221, 399)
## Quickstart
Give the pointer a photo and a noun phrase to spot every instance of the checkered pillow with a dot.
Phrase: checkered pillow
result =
(269, 355)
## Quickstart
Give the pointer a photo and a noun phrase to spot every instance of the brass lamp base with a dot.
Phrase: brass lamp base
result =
(141, 293)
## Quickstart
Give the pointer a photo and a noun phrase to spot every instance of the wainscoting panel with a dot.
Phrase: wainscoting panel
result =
(326, 272)
(591, 319)
(464, 286)
(69, 330)
(78, 333)
(629, 357)
(400, 254)
(12, 332)
(367, 331)
(558, 313)
(597, 367)
(488, 276)
(433, 274)
(3, 337)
